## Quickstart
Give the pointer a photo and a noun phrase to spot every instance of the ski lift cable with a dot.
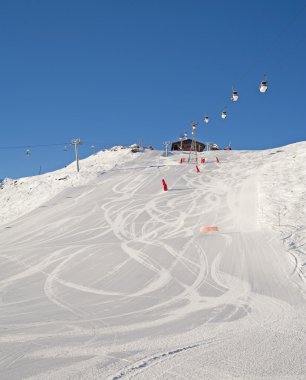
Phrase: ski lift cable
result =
(275, 40)
(31, 146)
(227, 105)
(241, 78)
(280, 58)
(287, 54)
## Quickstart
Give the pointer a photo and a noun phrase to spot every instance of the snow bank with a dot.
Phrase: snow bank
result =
(283, 197)
(20, 196)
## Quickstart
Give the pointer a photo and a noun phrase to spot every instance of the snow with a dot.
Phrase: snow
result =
(18, 197)
(104, 275)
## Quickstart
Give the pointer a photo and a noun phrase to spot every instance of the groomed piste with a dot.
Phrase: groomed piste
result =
(105, 275)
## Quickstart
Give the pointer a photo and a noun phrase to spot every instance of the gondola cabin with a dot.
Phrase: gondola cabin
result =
(234, 96)
(263, 86)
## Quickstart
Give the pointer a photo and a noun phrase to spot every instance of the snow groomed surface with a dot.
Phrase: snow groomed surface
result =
(110, 277)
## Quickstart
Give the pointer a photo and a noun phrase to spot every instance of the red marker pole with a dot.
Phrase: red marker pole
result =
(217, 160)
(198, 170)
(165, 185)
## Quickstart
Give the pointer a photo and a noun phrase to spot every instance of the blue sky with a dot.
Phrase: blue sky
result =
(114, 71)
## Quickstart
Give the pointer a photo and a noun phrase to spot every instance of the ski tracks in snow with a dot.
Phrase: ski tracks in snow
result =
(124, 261)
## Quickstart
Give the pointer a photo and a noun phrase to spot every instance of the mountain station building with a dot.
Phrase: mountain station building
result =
(185, 145)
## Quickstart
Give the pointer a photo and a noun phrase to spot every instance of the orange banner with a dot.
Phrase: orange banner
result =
(209, 229)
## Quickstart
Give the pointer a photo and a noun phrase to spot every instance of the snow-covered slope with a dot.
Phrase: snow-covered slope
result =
(109, 277)
(17, 197)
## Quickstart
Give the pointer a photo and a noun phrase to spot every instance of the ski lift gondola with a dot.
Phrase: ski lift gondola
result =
(223, 114)
(28, 152)
(234, 96)
(194, 126)
(263, 86)
(206, 119)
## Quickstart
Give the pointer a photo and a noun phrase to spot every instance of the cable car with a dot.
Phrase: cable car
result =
(194, 125)
(234, 96)
(28, 152)
(206, 119)
(223, 114)
(263, 86)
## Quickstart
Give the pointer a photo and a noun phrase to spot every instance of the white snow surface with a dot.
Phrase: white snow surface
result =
(20, 196)
(103, 275)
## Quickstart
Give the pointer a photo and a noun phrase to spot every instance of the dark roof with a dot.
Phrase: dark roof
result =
(187, 140)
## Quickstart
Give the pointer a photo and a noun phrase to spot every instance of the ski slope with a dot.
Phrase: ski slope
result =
(104, 275)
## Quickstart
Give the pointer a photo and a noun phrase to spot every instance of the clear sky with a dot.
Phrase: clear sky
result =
(112, 72)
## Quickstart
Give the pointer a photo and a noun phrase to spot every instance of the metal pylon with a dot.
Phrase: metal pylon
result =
(193, 153)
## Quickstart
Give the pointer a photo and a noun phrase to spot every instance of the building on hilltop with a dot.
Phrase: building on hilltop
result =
(185, 145)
